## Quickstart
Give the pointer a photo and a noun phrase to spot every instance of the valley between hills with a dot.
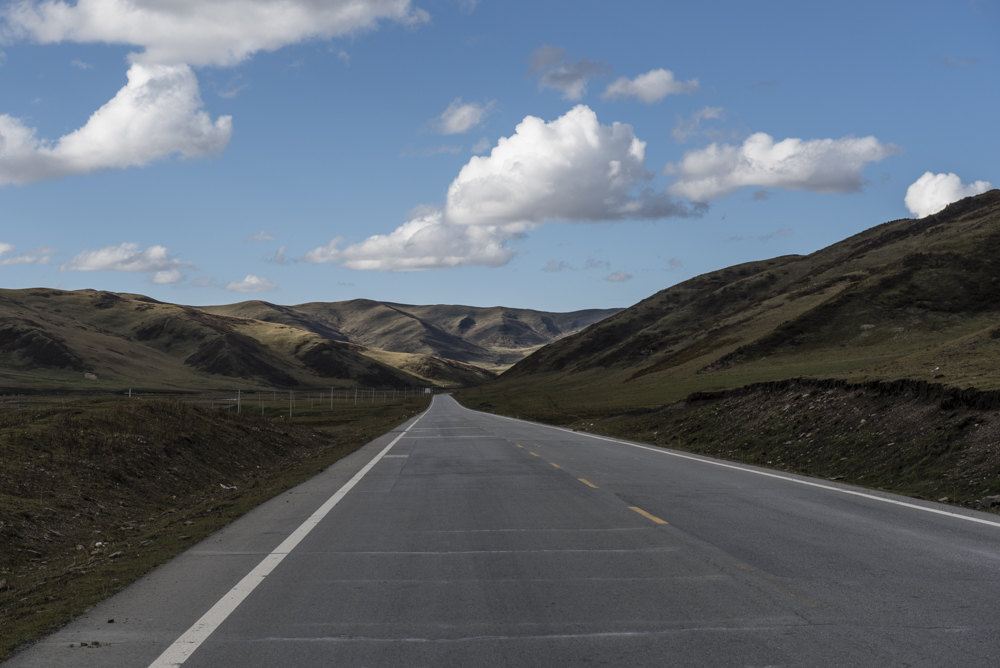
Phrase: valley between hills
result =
(873, 361)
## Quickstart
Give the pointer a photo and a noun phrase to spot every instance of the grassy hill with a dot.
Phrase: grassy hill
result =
(53, 338)
(59, 339)
(488, 337)
(917, 299)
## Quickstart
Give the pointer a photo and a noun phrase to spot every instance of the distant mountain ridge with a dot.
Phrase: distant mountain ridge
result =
(56, 338)
(492, 337)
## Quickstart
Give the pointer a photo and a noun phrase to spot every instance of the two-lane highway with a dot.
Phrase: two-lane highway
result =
(472, 539)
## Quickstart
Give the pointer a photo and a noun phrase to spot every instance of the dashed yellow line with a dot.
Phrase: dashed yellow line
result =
(554, 465)
(533, 453)
(649, 516)
(519, 445)
(587, 483)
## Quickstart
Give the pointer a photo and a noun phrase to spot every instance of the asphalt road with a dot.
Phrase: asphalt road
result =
(477, 540)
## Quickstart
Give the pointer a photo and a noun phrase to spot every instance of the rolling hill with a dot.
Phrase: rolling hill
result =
(488, 337)
(55, 339)
(52, 338)
(915, 299)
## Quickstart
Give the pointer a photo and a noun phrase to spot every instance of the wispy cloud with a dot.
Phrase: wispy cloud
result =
(250, 284)
(9, 258)
(685, 128)
(555, 71)
(650, 87)
(557, 266)
(460, 117)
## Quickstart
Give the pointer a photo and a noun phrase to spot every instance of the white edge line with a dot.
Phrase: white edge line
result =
(766, 474)
(181, 649)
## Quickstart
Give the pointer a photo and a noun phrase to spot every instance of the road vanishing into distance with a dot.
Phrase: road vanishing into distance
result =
(464, 538)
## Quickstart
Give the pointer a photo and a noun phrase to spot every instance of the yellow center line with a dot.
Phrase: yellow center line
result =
(587, 483)
(520, 446)
(554, 465)
(533, 453)
(649, 516)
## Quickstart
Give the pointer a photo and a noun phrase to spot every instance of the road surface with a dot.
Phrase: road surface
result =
(465, 538)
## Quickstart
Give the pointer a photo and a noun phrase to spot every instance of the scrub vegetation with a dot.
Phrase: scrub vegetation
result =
(96, 491)
(714, 364)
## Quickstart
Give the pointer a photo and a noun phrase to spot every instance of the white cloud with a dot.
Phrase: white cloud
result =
(460, 117)
(201, 32)
(554, 71)
(933, 192)
(686, 127)
(81, 64)
(573, 168)
(618, 277)
(425, 241)
(650, 87)
(261, 235)
(39, 256)
(570, 169)
(820, 165)
(162, 267)
(168, 277)
(251, 283)
(157, 114)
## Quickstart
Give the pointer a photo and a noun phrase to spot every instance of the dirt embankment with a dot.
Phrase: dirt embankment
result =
(96, 493)
(911, 437)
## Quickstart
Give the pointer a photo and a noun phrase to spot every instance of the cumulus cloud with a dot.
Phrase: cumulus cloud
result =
(460, 117)
(156, 261)
(933, 192)
(570, 169)
(157, 114)
(573, 168)
(650, 87)
(9, 258)
(820, 165)
(618, 277)
(556, 72)
(206, 32)
(686, 127)
(426, 241)
(251, 283)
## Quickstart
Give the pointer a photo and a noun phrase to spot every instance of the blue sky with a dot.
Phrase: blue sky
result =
(336, 132)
